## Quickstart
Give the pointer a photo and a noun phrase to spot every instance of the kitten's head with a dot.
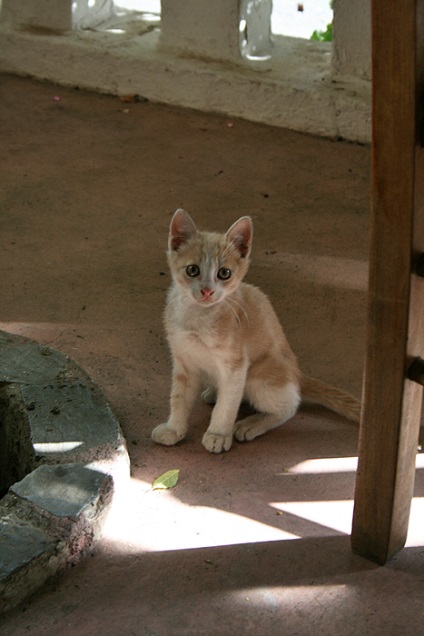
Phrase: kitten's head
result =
(207, 266)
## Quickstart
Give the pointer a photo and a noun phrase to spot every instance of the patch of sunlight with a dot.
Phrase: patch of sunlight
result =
(335, 271)
(335, 465)
(416, 530)
(289, 596)
(56, 447)
(336, 515)
(27, 329)
(152, 6)
(142, 520)
(419, 462)
(326, 465)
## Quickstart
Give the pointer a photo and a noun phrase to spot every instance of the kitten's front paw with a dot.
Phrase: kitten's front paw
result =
(164, 434)
(217, 443)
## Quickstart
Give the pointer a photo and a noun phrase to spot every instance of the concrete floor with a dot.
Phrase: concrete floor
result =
(254, 541)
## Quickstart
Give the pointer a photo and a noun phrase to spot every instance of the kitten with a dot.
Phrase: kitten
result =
(224, 335)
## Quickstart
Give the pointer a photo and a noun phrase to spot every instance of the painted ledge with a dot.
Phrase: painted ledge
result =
(293, 89)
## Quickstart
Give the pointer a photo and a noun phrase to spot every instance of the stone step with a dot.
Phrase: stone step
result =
(61, 453)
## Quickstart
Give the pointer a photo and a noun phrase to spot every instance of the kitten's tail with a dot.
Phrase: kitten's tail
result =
(337, 400)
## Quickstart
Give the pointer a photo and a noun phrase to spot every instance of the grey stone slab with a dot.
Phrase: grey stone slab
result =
(27, 362)
(56, 418)
(19, 546)
(65, 490)
(70, 422)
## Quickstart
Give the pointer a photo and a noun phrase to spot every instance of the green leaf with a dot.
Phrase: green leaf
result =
(323, 36)
(167, 480)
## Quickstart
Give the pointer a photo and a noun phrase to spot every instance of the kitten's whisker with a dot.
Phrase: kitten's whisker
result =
(230, 300)
(237, 317)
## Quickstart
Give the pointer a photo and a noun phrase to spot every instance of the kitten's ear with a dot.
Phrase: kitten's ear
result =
(181, 230)
(241, 234)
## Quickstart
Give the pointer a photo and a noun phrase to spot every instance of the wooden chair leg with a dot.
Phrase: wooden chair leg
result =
(391, 401)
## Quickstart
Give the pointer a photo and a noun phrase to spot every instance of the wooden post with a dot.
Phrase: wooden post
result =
(392, 402)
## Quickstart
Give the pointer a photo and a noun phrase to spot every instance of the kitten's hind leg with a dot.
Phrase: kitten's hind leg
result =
(276, 405)
(255, 425)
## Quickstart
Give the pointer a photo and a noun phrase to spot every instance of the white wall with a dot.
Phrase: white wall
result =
(351, 54)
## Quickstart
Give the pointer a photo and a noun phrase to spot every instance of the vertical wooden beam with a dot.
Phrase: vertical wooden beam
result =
(392, 403)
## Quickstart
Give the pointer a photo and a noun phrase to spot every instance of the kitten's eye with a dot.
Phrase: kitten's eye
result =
(192, 270)
(224, 273)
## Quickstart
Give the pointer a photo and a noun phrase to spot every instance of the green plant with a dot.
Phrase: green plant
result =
(323, 36)
(327, 35)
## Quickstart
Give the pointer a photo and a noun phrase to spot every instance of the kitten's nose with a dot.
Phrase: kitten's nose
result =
(206, 292)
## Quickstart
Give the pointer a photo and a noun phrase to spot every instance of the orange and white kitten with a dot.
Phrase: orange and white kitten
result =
(225, 338)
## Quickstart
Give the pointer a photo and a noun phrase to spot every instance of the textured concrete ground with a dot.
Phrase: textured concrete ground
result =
(255, 540)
